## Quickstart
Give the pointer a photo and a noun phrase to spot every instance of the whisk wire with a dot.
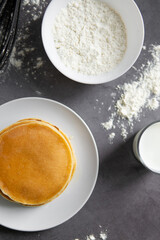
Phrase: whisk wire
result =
(9, 14)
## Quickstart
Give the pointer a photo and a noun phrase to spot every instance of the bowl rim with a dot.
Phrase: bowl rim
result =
(93, 79)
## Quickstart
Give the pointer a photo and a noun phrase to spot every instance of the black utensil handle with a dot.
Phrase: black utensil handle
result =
(11, 36)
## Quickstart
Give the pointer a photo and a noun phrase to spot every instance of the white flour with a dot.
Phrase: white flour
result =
(24, 54)
(140, 94)
(153, 103)
(93, 44)
(17, 62)
(34, 8)
(111, 137)
(102, 236)
(17, 57)
(31, 2)
(108, 125)
(144, 92)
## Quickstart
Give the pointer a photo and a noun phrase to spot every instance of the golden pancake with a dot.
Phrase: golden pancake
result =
(36, 119)
(40, 120)
(5, 196)
(36, 162)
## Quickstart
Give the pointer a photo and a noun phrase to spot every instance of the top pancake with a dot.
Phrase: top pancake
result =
(36, 162)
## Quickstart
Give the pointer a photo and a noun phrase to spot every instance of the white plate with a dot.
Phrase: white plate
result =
(133, 21)
(23, 218)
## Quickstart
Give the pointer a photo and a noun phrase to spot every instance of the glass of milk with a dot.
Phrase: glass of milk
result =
(146, 146)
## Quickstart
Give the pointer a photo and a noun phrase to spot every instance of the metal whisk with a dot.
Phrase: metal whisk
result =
(9, 13)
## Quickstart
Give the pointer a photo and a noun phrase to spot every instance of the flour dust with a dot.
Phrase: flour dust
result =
(143, 92)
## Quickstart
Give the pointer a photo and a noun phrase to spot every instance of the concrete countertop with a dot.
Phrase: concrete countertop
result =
(125, 201)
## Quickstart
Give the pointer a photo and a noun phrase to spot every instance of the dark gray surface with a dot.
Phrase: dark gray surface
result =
(126, 199)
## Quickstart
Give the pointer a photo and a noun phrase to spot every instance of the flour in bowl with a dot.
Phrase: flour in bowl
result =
(89, 36)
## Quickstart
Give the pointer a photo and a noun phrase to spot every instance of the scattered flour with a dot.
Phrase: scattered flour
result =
(124, 132)
(109, 108)
(24, 50)
(101, 235)
(143, 92)
(108, 125)
(111, 137)
(25, 56)
(33, 2)
(39, 63)
(91, 45)
(34, 8)
(38, 92)
(133, 98)
(153, 103)
(92, 237)
(17, 57)
(15, 61)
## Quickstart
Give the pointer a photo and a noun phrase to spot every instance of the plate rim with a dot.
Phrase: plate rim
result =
(97, 161)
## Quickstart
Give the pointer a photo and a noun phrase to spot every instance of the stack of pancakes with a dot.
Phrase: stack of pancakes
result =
(37, 162)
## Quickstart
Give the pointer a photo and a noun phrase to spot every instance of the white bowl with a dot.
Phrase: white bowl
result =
(133, 21)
